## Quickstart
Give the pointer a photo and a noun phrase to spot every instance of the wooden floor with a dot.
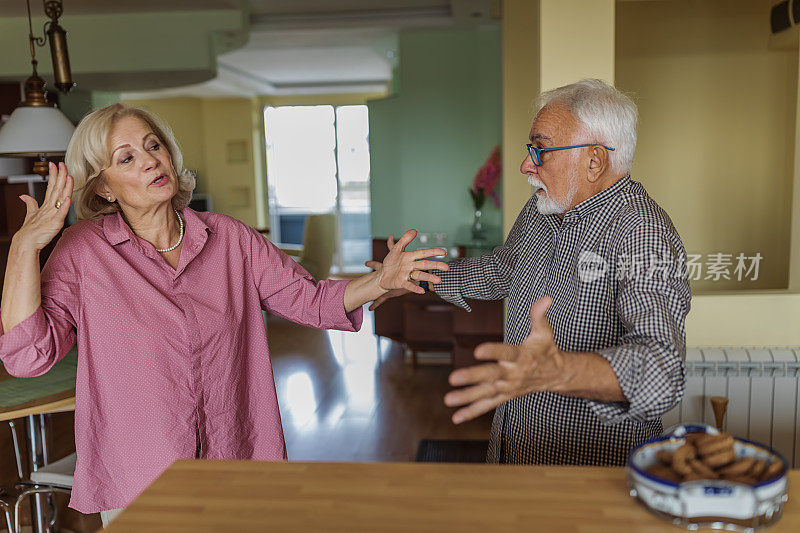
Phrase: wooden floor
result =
(352, 397)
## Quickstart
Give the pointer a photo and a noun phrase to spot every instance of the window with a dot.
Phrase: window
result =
(318, 162)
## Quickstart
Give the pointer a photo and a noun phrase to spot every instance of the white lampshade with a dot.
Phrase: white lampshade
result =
(32, 131)
(12, 166)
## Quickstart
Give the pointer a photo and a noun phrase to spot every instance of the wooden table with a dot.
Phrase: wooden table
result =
(203, 495)
(53, 403)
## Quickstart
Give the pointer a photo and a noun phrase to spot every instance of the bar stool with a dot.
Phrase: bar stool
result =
(55, 477)
(6, 510)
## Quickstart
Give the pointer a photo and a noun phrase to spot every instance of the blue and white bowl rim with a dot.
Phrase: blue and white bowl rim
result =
(701, 429)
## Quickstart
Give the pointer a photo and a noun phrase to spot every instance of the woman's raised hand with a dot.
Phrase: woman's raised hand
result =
(400, 269)
(43, 223)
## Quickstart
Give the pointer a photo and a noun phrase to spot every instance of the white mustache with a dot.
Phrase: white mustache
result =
(535, 182)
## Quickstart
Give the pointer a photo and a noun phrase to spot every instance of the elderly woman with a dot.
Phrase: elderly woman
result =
(165, 306)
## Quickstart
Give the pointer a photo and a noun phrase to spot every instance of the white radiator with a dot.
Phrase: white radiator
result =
(763, 386)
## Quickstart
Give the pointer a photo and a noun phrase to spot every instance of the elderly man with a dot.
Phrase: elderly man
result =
(595, 276)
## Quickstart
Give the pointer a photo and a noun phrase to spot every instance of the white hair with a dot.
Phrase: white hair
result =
(607, 117)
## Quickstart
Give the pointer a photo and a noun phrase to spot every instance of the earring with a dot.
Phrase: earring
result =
(109, 198)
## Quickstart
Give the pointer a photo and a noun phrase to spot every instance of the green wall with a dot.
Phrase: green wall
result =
(78, 102)
(428, 141)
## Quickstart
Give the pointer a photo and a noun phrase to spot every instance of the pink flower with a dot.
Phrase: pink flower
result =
(486, 179)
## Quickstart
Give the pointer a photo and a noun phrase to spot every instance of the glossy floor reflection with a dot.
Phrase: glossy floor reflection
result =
(351, 396)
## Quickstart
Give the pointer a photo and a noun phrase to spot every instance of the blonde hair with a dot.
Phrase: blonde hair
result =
(89, 154)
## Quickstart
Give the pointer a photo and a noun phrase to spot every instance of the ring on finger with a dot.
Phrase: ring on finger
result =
(411, 275)
(58, 204)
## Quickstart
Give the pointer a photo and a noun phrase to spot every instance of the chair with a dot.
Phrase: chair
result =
(6, 511)
(319, 242)
(52, 478)
(11, 520)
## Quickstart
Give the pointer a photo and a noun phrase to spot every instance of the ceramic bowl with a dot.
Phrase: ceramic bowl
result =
(717, 504)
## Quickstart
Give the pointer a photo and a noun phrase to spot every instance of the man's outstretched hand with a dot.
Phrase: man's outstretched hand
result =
(536, 365)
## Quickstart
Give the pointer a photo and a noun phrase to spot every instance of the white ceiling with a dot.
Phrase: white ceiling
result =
(302, 61)
(321, 46)
(287, 62)
(300, 46)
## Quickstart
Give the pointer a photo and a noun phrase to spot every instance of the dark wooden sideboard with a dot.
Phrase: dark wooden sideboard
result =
(425, 322)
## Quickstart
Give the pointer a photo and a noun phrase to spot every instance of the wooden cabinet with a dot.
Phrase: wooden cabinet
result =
(425, 322)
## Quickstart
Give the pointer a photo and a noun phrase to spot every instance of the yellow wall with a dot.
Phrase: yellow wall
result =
(717, 129)
(717, 108)
(232, 183)
(794, 264)
(184, 116)
(764, 318)
(716, 142)
(566, 26)
(220, 139)
(520, 88)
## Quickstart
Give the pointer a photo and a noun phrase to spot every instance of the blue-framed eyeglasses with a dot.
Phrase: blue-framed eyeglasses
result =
(536, 153)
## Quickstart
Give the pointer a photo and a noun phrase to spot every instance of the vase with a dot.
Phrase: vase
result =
(478, 231)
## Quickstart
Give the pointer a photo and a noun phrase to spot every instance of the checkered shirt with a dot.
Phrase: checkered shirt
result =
(616, 270)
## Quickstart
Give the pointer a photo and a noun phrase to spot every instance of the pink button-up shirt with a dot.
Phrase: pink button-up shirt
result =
(172, 363)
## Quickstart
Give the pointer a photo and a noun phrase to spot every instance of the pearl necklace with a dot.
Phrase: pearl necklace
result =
(180, 238)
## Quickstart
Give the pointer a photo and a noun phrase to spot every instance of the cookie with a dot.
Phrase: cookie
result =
(680, 459)
(665, 456)
(745, 480)
(663, 472)
(691, 438)
(720, 458)
(694, 476)
(738, 468)
(772, 470)
(712, 444)
(758, 468)
(700, 468)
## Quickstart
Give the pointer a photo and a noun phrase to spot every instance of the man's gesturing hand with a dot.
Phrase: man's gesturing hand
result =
(536, 365)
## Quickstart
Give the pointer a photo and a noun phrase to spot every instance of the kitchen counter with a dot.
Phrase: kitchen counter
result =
(208, 495)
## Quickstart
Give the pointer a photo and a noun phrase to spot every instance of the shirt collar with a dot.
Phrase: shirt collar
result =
(196, 231)
(593, 203)
(117, 230)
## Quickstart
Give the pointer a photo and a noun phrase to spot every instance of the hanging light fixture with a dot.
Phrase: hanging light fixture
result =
(36, 128)
(58, 46)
